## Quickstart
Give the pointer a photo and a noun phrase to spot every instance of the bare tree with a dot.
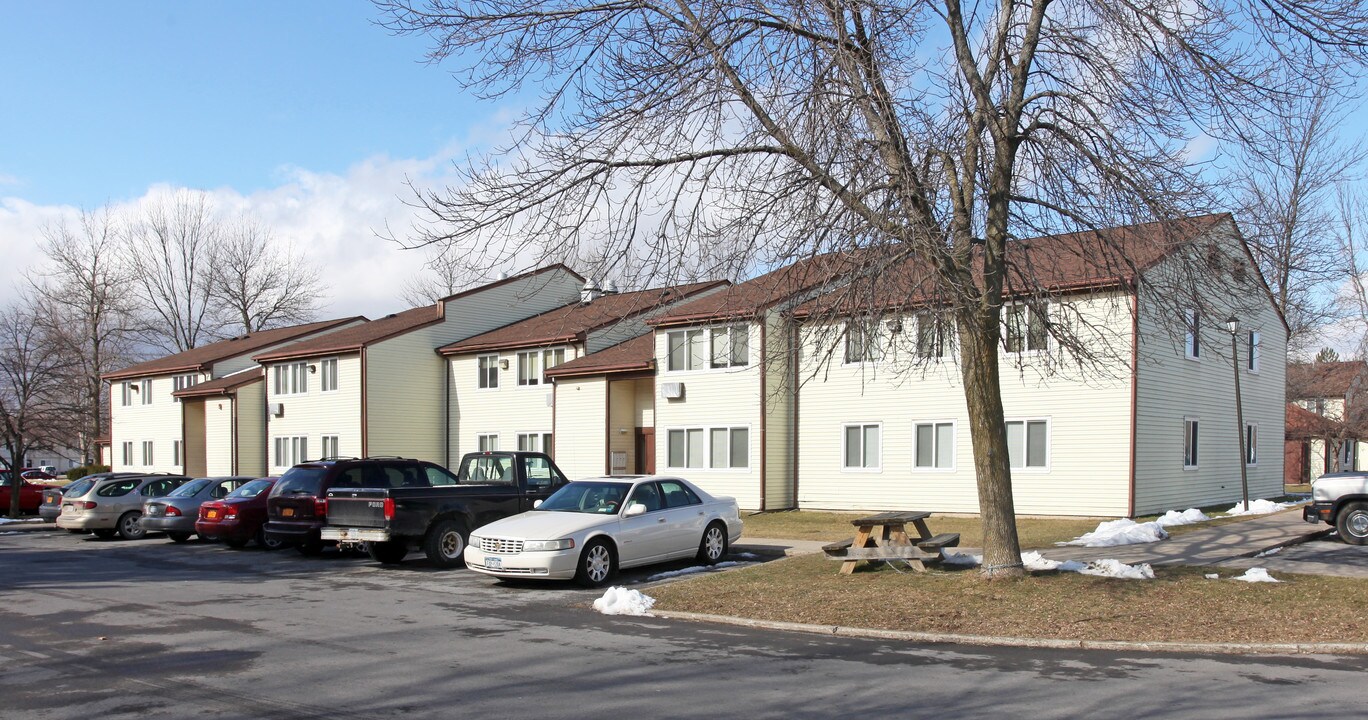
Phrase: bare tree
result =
(170, 250)
(1285, 189)
(753, 134)
(259, 283)
(85, 306)
(444, 275)
(33, 374)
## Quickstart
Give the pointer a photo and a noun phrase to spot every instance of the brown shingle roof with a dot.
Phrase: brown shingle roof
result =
(635, 355)
(224, 385)
(358, 336)
(571, 322)
(746, 300)
(1302, 424)
(1094, 259)
(203, 357)
(1326, 379)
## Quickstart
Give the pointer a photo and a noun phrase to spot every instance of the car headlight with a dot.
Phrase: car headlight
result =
(546, 545)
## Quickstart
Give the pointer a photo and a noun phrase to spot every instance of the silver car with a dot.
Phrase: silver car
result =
(176, 513)
(114, 505)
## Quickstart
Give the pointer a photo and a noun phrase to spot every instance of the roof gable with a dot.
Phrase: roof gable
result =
(204, 357)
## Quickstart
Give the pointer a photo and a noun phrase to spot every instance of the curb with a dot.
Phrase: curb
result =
(1046, 643)
(27, 527)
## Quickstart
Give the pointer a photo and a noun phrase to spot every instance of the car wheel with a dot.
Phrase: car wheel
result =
(266, 542)
(713, 547)
(179, 537)
(129, 529)
(1352, 523)
(445, 544)
(310, 548)
(235, 543)
(387, 553)
(103, 534)
(597, 564)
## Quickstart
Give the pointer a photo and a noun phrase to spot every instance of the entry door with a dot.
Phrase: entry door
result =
(645, 451)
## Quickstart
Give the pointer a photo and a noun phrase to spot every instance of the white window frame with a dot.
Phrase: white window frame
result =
(940, 328)
(487, 372)
(1348, 454)
(148, 453)
(145, 389)
(869, 335)
(181, 382)
(1195, 443)
(531, 361)
(126, 449)
(542, 438)
(551, 357)
(1026, 443)
(1192, 337)
(482, 438)
(706, 455)
(690, 364)
(1251, 444)
(327, 371)
(290, 378)
(125, 394)
(1254, 340)
(935, 440)
(729, 333)
(176, 458)
(335, 439)
(1030, 312)
(296, 450)
(876, 468)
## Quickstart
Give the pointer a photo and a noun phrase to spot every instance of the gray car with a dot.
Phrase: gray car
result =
(113, 505)
(176, 513)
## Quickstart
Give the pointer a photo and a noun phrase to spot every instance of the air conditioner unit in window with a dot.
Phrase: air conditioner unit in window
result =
(550, 400)
(276, 409)
(672, 391)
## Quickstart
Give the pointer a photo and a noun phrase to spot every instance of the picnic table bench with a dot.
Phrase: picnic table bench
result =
(891, 542)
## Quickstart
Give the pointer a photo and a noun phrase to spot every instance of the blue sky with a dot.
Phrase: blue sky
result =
(105, 98)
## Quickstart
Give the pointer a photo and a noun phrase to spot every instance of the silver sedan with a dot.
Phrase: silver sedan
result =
(176, 513)
(114, 505)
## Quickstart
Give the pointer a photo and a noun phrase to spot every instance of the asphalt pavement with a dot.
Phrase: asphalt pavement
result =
(152, 630)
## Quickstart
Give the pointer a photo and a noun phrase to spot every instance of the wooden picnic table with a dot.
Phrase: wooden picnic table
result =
(891, 541)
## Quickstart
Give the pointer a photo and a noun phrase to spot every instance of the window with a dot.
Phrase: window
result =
(540, 474)
(487, 443)
(1251, 447)
(552, 358)
(1028, 444)
(932, 329)
(528, 368)
(176, 453)
(1189, 443)
(125, 394)
(1192, 347)
(685, 448)
(127, 453)
(489, 371)
(730, 447)
(330, 449)
(328, 368)
(860, 344)
(730, 346)
(534, 442)
(1348, 454)
(147, 452)
(686, 350)
(181, 382)
(291, 379)
(862, 446)
(439, 477)
(291, 450)
(1252, 358)
(1026, 330)
(146, 392)
(677, 494)
(934, 445)
(158, 488)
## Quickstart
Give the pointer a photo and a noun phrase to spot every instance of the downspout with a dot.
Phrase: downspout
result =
(793, 360)
(1134, 391)
(764, 441)
(607, 425)
(446, 415)
(233, 432)
(185, 446)
(365, 425)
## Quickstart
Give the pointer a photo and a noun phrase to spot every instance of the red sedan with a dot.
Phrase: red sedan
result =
(238, 517)
(30, 495)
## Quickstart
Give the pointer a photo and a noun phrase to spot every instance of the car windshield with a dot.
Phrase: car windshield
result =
(604, 498)
(251, 489)
(301, 480)
(80, 487)
(191, 488)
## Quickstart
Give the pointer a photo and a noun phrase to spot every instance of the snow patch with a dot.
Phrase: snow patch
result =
(691, 570)
(1212, 576)
(964, 559)
(1187, 517)
(621, 601)
(6, 521)
(1253, 575)
(1258, 507)
(1120, 532)
(747, 556)
(1035, 562)
(1266, 553)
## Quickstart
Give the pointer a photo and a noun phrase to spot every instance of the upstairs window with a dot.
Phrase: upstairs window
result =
(1026, 330)
(528, 368)
(290, 379)
(328, 369)
(552, 358)
(1192, 343)
(932, 329)
(125, 395)
(1252, 354)
(181, 382)
(687, 350)
(146, 392)
(861, 343)
(488, 371)
(730, 346)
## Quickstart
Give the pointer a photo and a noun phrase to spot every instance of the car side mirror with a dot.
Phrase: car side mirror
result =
(634, 509)
(536, 504)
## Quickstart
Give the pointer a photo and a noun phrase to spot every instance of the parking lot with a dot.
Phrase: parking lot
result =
(151, 629)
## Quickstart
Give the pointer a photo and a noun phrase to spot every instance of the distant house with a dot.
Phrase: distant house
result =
(377, 388)
(1327, 419)
(152, 430)
(499, 389)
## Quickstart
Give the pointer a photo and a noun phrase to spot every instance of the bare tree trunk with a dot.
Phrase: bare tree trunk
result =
(992, 462)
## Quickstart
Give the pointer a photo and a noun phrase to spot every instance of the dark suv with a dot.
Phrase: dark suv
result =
(297, 508)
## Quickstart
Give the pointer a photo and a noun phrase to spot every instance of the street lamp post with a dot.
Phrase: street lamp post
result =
(1233, 325)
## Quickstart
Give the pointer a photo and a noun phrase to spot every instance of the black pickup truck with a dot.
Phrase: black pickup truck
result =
(436, 511)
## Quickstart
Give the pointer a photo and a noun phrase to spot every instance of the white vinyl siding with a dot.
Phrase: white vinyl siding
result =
(934, 445)
(861, 446)
(328, 370)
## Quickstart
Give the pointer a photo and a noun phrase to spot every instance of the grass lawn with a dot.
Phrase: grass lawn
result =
(1179, 605)
(830, 526)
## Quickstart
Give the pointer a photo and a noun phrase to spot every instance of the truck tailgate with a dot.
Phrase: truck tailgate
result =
(359, 508)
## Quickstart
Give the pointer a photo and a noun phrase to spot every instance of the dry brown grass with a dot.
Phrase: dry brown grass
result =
(1180, 605)
(831, 526)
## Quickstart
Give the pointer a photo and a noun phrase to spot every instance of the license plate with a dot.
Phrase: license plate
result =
(287, 512)
(211, 514)
(494, 563)
(68, 510)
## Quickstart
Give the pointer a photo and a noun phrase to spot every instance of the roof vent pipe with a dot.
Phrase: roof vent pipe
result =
(610, 288)
(590, 292)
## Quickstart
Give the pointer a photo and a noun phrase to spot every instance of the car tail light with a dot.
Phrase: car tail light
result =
(88, 504)
(321, 507)
(229, 512)
(389, 508)
(172, 511)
